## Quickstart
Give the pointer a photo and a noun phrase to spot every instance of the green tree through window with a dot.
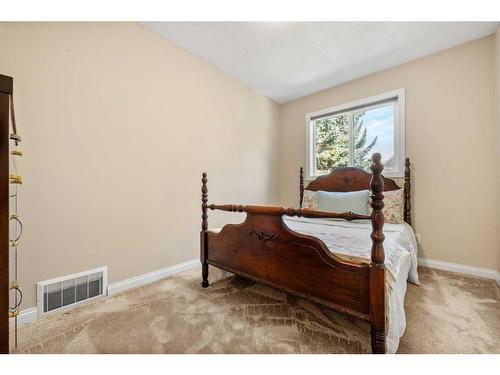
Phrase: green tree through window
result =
(332, 142)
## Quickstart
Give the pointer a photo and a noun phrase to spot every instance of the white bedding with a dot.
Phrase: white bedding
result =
(353, 239)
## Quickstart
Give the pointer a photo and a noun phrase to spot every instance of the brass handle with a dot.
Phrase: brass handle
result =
(14, 311)
(15, 137)
(15, 179)
(16, 152)
(16, 218)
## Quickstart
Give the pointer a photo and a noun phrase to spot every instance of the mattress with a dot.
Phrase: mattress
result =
(352, 239)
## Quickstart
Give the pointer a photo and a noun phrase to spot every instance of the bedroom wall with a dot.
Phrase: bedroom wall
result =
(449, 139)
(117, 126)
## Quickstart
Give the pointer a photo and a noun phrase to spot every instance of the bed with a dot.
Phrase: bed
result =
(344, 260)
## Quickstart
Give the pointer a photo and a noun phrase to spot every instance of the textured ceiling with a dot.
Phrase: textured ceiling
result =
(287, 60)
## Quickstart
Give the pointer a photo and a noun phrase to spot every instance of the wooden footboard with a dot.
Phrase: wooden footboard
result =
(264, 249)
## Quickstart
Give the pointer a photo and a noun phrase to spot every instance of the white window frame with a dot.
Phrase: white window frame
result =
(399, 130)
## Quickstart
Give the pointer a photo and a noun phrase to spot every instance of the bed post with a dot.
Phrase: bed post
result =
(203, 234)
(407, 191)
(301, 184)
(377, 267)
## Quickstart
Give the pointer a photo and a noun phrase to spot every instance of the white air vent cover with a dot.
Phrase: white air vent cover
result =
(71, 290)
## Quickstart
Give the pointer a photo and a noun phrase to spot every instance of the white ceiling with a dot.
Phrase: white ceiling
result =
(287, 60)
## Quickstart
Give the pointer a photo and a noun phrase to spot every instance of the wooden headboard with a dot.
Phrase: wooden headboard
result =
(355, 179)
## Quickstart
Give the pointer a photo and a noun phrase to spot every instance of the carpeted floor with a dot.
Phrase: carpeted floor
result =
(448, 313)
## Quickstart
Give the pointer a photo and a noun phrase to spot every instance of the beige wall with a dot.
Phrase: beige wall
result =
(449, 138)
(117, 126)
(497, 124)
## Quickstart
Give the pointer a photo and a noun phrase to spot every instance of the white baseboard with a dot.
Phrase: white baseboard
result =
(461, 268)
(147, 278)
(25, 316)
(29, 315)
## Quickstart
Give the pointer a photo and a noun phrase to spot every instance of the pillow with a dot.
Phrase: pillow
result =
(393, 207)
(354, 201)
(310, 200)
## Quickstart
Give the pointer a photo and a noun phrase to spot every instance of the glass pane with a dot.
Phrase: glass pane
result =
(332, 143)
(373, 131)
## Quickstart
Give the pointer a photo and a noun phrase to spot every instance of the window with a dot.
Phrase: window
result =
(348, 135)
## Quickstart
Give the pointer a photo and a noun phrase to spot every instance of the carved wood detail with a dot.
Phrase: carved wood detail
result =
(347, 179)
(301, 186)
(203, 233)
(263, 236)
(377, 203)
(204, 200)
(377, 272)
(407, 192)
(290, 211)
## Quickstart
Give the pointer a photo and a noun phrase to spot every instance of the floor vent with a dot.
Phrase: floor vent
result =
(71, 290)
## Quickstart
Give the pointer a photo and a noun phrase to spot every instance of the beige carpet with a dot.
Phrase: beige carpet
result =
(448, 313)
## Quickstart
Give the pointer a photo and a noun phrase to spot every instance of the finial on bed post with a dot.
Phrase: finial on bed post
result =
(407, 192)
(377, 268)
(204, 227)
(301, 184)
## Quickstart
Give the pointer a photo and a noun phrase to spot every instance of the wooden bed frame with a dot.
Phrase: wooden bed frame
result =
(264, 249)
